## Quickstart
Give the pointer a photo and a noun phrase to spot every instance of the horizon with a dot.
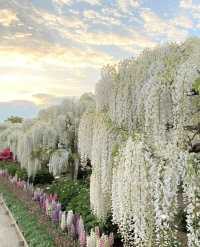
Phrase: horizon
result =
(57, 50)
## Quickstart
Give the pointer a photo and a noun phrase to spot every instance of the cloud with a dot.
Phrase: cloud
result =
(62, 3)
(164, 29)
(189, 6)
(52, 55)
(7, 17)
(127, 6)
(45, 100)
(112, 39)
(91, 2)
(186, 4)
(99, 18)
(59, 22)
(57, 49)
(183, 22)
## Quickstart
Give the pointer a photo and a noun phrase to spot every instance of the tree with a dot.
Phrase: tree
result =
(15, 119)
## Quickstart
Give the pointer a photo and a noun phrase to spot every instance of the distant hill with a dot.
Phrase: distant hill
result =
(22, 108)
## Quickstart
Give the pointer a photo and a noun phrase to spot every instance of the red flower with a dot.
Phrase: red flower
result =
(6, 155)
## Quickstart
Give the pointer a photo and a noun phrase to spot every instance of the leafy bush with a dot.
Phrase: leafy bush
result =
(42, 177)
(66, 190)
(81, 204)
(3, 164)
(22, 174)
(75, 196)
(12, 168)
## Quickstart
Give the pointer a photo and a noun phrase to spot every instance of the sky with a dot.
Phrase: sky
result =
(51, 49)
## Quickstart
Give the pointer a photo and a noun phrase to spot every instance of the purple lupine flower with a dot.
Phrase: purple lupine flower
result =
(72, 231)
(56, 211)
(76, 224)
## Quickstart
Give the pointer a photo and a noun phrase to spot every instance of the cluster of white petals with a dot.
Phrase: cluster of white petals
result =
(139, 144)
(50, 139)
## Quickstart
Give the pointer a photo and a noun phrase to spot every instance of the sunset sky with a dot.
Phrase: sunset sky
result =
(50, 49)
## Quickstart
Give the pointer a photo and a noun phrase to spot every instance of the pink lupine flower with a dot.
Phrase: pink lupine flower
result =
(101, 243)
(82, 239)
(80, 226)
(55, 197)
(76, 224)
(111, 239)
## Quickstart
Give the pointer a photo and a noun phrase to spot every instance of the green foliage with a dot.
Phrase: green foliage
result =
(35, 233)
(42, 153)
(180, 220)
(196, 85)
(15, 119)
(81, 205)
(42, 177)
(12, 168)
(3, 164)
(75, 196)
(107, 226)
(22, 174)
(65, 189)
(115, 150)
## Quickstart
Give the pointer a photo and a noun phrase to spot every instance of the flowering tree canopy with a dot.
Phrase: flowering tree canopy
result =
(141, 139)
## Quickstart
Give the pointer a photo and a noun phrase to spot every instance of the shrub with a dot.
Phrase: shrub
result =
(12, 168)
(75, 196)
(22, 174)
(65, 189)
(3, 164)
(81, 204)
(42, 177)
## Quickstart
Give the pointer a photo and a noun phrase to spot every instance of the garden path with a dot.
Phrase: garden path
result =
(8, 233)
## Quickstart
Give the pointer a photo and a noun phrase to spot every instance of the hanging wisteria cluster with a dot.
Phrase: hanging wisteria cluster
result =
(48, 140)
(140, 141)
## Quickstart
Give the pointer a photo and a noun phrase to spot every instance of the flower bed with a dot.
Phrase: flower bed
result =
(72, 231)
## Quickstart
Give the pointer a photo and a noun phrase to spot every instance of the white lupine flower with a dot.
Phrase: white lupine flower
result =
(70, 217)
(63, 223)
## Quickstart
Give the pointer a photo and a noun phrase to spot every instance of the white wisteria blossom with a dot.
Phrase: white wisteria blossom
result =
(151, 100)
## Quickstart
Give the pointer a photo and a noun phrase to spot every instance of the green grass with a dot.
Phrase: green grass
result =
(35, 234)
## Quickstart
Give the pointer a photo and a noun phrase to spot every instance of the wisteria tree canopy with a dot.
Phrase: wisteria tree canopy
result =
(141, 134)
